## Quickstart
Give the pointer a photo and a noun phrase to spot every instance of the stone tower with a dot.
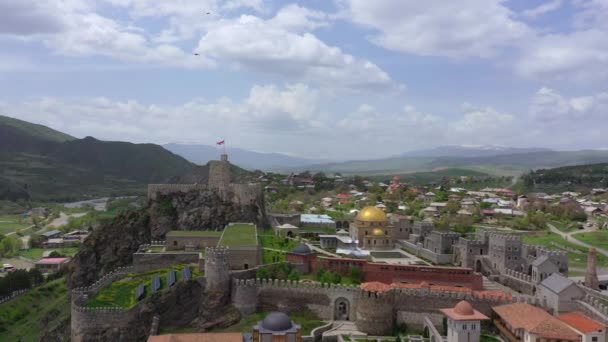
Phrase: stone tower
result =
(591, 274)
(219, 174)
(217, 272)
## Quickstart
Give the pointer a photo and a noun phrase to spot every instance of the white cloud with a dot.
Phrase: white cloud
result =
(468, 28)
(579, 55)
(543, 8)
(549, 106)
(285, 46)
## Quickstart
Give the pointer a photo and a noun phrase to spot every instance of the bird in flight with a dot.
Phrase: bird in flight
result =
(196, 54)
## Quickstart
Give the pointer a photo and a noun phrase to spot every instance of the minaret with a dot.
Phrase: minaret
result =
(591, 275)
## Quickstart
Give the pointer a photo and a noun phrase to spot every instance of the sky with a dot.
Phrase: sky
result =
(341, 79)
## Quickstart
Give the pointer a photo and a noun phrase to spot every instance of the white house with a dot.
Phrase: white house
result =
(590, 330)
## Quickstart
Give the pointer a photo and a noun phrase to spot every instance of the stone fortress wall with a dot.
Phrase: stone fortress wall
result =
(219, 180)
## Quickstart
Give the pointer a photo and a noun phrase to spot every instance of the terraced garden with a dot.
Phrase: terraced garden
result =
(121, 293)
(274, 247)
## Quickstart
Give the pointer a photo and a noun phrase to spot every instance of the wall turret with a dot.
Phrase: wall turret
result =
(217, 271)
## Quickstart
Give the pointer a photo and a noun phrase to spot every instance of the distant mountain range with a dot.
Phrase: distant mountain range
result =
(471, 151)
(201, 154)
(500, 164)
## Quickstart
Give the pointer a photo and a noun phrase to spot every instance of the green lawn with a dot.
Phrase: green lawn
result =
(30, 315)
(269, 257)
(10, 223)
(307, 319)
(574, 259)
(194, 233)
(121, 293)
(597, 239)
(239, 234)
(36, 253)
(277, 242)
(564, 226)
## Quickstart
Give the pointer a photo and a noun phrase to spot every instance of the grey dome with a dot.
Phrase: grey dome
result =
(301, 249)
(276, 321)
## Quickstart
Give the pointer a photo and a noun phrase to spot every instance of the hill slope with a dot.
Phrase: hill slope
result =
(574, 178)
(509, 164)
(42, 164)
(35, 130)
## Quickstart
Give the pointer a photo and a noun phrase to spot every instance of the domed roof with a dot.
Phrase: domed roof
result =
(276, 321)
(301, 249)
(372, 214)
(464, 308)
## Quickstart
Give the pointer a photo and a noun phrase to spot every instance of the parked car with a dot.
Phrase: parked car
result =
(8, 268)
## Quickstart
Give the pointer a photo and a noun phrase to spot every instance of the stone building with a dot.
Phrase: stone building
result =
(464, 323)
(441, 242)
(191, 239)
(371, 229)
(277, 327)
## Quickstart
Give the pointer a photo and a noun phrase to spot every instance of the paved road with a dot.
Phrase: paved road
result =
(568, 237)
(63, 219)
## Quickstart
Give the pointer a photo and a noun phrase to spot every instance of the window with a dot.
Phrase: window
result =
(464, 327)
(594, 339)
(386, 232)
(174, 243)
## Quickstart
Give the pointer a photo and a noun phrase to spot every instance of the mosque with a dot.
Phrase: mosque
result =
(372, 230)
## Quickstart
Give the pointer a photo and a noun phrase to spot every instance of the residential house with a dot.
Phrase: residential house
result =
(559, 293)
(51, 265)
(522, 322)
(589, 329)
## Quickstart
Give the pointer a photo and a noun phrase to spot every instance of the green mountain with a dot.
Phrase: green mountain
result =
(569, 178)
(34, 130)
(39, 163)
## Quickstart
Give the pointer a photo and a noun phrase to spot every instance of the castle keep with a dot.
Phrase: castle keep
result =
(219, 180)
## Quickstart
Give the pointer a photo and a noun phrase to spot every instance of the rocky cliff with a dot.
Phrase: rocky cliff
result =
(113, 242)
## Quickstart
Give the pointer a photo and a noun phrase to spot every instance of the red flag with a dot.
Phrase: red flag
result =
(221, 142)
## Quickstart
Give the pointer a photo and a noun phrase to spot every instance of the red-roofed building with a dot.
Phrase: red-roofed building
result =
(524, 322)
(49, 265)
(464, 322)
(590, 329)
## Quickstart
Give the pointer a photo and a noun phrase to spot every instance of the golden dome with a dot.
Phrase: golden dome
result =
(378, 231)
(372, 214)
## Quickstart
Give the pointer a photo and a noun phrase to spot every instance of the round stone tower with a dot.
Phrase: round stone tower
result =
(217, 272)
(375, 312)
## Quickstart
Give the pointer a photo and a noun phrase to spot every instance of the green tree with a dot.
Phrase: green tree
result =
(262, 273)
(36, 277)
(294, 275)
(356, 275)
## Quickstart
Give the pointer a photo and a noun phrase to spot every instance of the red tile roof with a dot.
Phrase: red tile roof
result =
(580, 322)
(535, 320)
(52, 261)
(463, 311)
(375, 286)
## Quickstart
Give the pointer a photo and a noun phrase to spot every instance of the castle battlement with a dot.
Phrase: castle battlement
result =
(102, 282)
(470, 243)
(550, 253)
(216, 255)
(165, 189)
(518, 275)
(499, 237)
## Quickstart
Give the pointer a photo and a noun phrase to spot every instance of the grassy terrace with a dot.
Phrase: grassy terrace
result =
(36, 253)
(28, 316)
(239, 234)
(597, 239)
(574, 259)
(121, 293)
(307, 319)
(194, 233)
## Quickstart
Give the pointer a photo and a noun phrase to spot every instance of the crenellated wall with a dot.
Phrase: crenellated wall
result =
(165, 189)
(518, 281)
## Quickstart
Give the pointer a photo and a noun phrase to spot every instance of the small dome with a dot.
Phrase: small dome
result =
(464, 308)
(372, 214)
(301, 249)
(276, 321)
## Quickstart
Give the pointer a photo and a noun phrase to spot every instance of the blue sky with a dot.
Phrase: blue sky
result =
(325, 79)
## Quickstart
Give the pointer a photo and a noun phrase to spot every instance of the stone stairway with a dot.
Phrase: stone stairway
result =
(490, 285)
